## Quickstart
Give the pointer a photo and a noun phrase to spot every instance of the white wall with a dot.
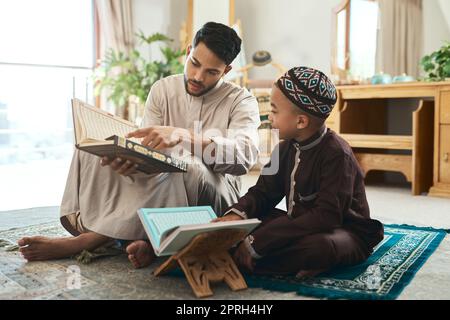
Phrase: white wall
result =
(436, 28)
(445, 9)
(164, 16)
(295, 32)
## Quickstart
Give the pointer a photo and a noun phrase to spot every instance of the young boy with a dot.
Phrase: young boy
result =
(327, 223)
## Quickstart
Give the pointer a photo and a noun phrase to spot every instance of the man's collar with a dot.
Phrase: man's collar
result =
(210, 92)
(215, 89)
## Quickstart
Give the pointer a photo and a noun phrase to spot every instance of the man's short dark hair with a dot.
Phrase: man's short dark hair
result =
(220, 39)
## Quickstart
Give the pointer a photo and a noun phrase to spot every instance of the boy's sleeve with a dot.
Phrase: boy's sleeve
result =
(265, 195)
(334, 198)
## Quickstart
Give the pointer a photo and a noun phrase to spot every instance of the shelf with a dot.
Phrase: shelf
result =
(386, 162)
(379, 141)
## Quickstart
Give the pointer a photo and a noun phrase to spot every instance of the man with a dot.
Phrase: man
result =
(190, 112)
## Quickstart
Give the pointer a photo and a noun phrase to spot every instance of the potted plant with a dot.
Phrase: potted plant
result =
(127, 79)
(437, 64)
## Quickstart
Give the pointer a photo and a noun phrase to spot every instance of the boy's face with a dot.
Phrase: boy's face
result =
(203, 69)
(283, 116)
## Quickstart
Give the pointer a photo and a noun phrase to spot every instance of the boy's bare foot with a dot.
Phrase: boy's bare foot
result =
(303, 274)
(140, 253)
(43, 248)
(243, 259)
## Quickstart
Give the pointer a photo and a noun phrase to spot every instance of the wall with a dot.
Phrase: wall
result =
(164, 16)
(293, 31)
(445, 9)
(264, 27)
(436, 28)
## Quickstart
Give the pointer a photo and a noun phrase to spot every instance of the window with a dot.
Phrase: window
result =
(363, 37)
(47, 58)
(354, 40)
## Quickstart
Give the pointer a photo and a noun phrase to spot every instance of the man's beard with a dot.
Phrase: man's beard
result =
(202, 92)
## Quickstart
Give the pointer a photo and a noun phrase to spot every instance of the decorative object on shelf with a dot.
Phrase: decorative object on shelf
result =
(260, 58)
(403, 78)
(437, 64)
(127, 79)
(381, 78)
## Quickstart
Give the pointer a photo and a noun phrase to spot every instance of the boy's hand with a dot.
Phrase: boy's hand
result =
(243, 258)
(228, 217)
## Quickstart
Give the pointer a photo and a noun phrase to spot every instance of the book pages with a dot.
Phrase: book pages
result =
(99, 125)
(166, 222)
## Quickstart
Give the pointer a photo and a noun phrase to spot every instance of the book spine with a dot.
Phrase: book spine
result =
(150, 153)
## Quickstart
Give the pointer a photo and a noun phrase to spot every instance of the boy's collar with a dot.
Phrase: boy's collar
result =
(312, 141)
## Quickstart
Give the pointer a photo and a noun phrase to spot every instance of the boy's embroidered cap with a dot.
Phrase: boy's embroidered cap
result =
(310, 90)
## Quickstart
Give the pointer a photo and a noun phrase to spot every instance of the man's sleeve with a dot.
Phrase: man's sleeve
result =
(153, 105)
(238, 152)
(152, 117)
(334, 198)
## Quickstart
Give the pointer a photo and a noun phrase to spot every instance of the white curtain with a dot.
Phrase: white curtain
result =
(400, 37)
(116, 32)
(116, 24)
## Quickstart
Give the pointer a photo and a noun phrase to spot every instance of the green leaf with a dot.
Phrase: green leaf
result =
(131, 74)
(437, 64)
(446, 70)
(153, 38)
(425, 60)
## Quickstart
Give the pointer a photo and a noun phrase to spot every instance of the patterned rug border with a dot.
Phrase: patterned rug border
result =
(269, 284)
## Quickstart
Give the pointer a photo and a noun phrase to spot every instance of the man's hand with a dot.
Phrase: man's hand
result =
(243, 259)
(228, 217)
(121, 166)
(160, 137)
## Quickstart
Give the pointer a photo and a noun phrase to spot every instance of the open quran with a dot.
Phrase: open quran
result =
(171, 229)
(103, 134)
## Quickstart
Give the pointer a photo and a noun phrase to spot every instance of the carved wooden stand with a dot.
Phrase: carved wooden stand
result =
(206, 259)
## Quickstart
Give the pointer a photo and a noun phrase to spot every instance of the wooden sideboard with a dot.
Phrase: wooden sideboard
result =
(422, 155)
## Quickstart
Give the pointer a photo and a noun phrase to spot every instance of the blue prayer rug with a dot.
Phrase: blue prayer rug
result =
(384, 275)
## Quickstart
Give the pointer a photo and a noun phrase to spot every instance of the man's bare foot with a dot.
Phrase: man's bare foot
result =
(303, 274)
(43, 248)
(140, 253)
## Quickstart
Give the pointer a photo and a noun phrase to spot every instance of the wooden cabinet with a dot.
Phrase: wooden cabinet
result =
(445, 107)
(422, 155)
(444, 157)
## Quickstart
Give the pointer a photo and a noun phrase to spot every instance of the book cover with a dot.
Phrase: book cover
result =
(171, 229)
(102, 134)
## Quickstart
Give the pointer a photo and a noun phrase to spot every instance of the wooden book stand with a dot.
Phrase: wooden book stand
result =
(206, 259)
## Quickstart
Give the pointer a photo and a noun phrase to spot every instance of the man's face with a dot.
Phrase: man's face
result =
(203, 69)
(282, 114)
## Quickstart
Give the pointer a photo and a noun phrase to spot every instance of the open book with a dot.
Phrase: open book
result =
(102, 134)
(171, 229)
